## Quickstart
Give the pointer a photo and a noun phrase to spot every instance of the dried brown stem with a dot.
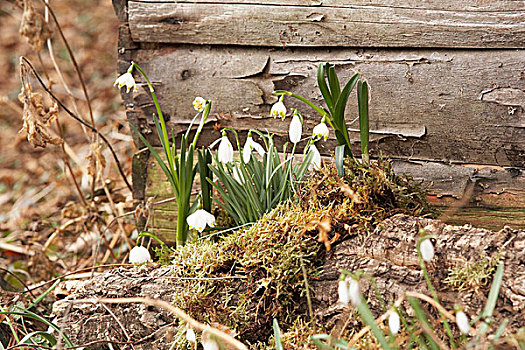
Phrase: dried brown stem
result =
(102, 137)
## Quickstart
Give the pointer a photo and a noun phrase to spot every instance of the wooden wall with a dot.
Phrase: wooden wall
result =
(447, 77)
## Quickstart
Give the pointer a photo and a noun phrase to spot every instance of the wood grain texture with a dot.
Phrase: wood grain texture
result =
(454, 106)
(336, 23)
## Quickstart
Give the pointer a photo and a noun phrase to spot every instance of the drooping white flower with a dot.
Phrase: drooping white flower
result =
(190, 336)
(462, 322)
(127, 80)
(237, 175)
(296, 129)
(199, 219)
(139, 255)
(321, 131)
(199, 103)
(342, 291)
(225, 150)
(316, 158)
(210, 344)
(427, 250)
(278, 109)
(394, 323)
(207, 342)
(354, 292)
(249, 146)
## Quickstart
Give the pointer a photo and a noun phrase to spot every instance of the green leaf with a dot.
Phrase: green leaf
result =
(321, 82)
(277, 335)
(335, 87)
(422, 317)
(50, 339)
(488, 311)
(364, 129)
(339, 159)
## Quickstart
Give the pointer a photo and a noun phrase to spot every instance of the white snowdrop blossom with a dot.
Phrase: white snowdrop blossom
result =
(127, 80)
(249, 146)
(427, 250)
(296, 129)
(348, 291)
(199, 104)
(462, 322)
(225, 154)
(321, 131)
(316, 158)
(237, 175)
(342, 290)
(200, 219)
(139, 255)
(394, 323)
(278, 109)
(210, 344)
(190, 336)
(354, 292)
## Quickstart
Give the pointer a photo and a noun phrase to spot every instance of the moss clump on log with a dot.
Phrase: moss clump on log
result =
(245, 279)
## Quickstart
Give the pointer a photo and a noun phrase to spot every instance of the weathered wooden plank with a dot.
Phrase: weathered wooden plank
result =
(498, 198)
(451, 5)
(334, 23)
(449, 106)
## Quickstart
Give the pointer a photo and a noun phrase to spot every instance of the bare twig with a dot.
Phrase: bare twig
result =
(102, 137)
(119, 323)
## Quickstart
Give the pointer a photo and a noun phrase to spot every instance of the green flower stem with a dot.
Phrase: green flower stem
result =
(321, 112)
(157, 107)
(433, 291)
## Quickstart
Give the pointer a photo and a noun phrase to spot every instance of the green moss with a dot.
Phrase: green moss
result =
(246, 279)
(474, 275)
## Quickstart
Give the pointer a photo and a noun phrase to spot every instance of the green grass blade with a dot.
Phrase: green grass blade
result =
(51, 340)
(488, 311)
(422, 317)
(277, 335)
(369, 319)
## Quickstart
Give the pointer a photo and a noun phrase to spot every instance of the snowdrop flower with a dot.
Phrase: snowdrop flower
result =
(278, 109)
(296, 128)
(316, 158)
(249, 146)
(394, 322)
(207, 342)
(237, 175)
(354, 292)
(348, 291)
(200, 219)
(139, 255)
(127, 80)
(225, 150)
(210, 344)
(321, 130)
(199, 104)
(190, 336)
(427, 250)
(342, 291)
(462, 322)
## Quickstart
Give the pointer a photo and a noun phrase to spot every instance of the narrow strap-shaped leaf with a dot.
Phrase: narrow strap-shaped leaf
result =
(277, 335)
(335, 88)
(173, 181)
(340, 104)
(321, 82)
(339, 159)
(364, 129)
